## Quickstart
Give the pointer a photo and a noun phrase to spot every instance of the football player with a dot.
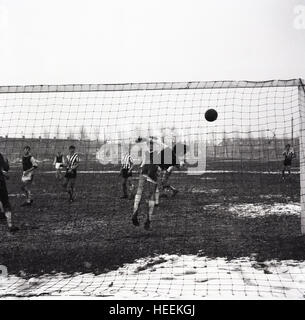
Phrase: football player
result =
(71, 165)
(58, 163)
(5, 206)
(126, 173)
(29, 164)
(288, 154)
(171, 158)
(149, 175)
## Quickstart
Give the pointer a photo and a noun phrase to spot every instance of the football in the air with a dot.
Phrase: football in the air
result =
(211, 115)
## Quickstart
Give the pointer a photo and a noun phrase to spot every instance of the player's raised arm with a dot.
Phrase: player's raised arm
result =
(152, 140)
(294, 155)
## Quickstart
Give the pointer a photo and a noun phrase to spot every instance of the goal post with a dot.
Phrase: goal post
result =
(253, 125)
(301, 90)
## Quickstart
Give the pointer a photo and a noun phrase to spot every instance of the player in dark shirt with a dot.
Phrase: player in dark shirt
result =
(169, 159)
(149, 176)
(288, 154)
(154, 162)
(5, 206)
(29, 164)
(58, 163)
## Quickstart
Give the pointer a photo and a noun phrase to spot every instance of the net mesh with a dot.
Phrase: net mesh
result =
(232, 230)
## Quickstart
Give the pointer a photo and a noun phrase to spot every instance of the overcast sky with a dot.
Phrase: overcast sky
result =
(95, 41)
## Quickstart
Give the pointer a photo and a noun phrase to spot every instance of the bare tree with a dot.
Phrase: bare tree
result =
(96, 132)
(46, 134)
(82, 133)
(138, 132)
(225, 144)
(71, 134)
(250, 135)
(57, 133)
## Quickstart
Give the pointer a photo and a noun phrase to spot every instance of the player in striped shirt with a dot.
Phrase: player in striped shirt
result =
(5, 206)
(29, 164)
(71, 165)
(126, 172)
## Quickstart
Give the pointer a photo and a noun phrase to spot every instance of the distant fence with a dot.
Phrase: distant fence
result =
(44, 149)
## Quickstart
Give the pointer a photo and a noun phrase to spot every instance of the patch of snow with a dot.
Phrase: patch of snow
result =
(261, 209)
(171, 277)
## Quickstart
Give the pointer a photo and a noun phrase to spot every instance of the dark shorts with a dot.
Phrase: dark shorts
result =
(151, 171)
(287, 162)
(4, 196)
(70, 175)
(69, 183)
(125, 173)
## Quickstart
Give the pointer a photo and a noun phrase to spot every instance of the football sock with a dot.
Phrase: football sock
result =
(124, 189)
(157, 196)
(151, 205)
(8, 216)
(136, 203)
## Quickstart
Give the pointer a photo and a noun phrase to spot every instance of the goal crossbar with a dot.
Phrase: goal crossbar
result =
(152, 86)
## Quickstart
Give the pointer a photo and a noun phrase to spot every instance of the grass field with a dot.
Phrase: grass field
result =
(215, 215)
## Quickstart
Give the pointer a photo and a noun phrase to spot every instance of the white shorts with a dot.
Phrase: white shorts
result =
(58, 165)
(27, 178)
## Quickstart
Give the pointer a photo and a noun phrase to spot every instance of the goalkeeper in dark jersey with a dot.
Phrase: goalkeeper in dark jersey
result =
(5, 206)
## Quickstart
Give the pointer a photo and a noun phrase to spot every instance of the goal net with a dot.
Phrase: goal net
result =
(236, 197)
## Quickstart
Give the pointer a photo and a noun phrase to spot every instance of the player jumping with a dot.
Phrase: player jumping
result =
(5, 206)
(289, 154)
(150, 173)
(29, 164)
(71, 170)
(126, 173)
